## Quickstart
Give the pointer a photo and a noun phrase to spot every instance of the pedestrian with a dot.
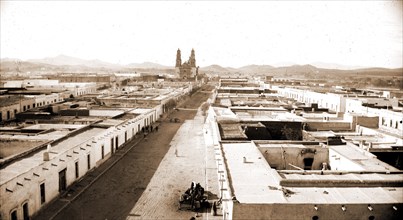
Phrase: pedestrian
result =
(176, 152)
(214, 208)
(156, 128)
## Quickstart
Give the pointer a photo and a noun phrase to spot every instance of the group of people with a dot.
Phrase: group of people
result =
(192, 194)
(148, 129)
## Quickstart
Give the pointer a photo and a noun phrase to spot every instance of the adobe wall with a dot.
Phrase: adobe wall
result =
(295, 156)
(9, 112)
(308, 211)
(366, 121)
(326, 126)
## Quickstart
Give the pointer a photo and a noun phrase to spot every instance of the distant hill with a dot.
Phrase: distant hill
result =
(302, 70)
(12, 65)
(334, 66)
(63, 63)
(216, 68)
(148, 65)
(284, 63)
(63, 60)
(256, 69)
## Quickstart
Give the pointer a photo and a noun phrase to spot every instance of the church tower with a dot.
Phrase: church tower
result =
(178, 58)
(192, 64)
(178, 64)
(192, 58)
(188, 69)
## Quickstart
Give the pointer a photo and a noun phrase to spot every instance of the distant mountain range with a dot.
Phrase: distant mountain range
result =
(64, 63)
(63, 60)
(68, 63)
(148, 65)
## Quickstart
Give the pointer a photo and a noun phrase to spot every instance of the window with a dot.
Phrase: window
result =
(77, 171)
(102, 152)
(88, 161)
(25, 211)
(42, 186)
(14, 215)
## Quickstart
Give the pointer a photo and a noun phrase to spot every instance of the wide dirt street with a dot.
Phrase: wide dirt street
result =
(115, 193)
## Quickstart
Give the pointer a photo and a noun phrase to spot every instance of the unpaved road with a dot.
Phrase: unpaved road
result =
(116, 192)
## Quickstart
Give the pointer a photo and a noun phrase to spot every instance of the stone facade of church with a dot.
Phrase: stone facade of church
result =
(188, 69)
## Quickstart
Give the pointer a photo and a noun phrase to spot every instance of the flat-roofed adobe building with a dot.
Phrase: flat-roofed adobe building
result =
(297, 179)
(40, 162)
(81, 77)
(22, 95)
(255, 189)
(275, 162)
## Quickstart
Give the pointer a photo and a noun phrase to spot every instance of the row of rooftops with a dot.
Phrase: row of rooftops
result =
(25, 164)
(231, 117)
(254, 181)
(360, 178)
(26, 142)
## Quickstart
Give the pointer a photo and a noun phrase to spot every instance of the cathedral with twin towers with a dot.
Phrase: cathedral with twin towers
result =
(188, 69)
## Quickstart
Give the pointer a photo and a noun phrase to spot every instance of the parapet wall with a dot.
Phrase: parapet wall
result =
(322, 211)
(326, 126)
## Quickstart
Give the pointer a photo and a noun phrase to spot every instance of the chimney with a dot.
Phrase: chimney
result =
(46, 153)
(46, 156)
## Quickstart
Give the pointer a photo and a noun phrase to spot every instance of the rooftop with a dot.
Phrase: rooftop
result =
(6, 100)
(26, 164)
(255, 182)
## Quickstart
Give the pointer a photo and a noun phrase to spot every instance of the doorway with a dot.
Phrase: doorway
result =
(308, 163)
(25, 211)
(62, 180)
(116, 142)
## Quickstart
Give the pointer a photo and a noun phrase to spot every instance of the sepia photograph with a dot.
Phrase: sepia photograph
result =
(201, 110)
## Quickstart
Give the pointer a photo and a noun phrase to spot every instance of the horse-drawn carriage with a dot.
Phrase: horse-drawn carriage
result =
(193, 198)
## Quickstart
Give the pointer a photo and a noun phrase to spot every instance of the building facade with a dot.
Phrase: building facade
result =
(30, 183)
(188, 69)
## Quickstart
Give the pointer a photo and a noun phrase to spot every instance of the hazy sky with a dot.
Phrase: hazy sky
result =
(227, 33)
